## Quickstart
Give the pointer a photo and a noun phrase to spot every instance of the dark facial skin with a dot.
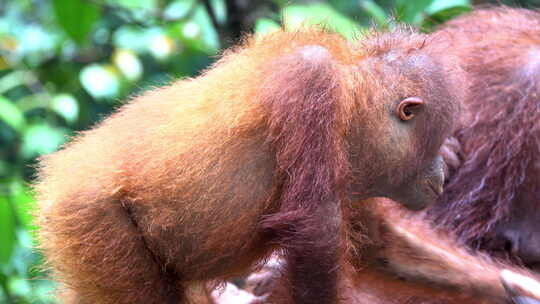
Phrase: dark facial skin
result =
(418, 191)
(426, 187)
(519, 234)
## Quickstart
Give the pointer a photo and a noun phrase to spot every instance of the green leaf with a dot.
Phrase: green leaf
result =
(7, 231)
(208, 35)
(320, 14)
(135, 4)
(76, 17)
(66, 106)
(11, 115)
(178, 9)
(219, 9)
(444, 15)
(102, 81)
(265, 25)
(12, 80)
(376, 12)
(438, 6)
(19, 286)
(196, 33)
(23, 203)
(42, 139)
(411, 11)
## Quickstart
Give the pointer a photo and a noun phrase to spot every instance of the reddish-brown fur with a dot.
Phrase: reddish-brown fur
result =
(493, 163)
(400, 259)
(492, 199)
(409, 262)
(200, 180)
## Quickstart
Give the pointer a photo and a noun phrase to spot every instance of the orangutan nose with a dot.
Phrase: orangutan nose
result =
(524, 245)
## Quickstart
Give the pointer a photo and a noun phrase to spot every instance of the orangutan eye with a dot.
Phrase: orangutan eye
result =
(409, 107)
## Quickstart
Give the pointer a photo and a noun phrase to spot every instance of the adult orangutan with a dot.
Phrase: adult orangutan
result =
(491, 200)
(202, 179)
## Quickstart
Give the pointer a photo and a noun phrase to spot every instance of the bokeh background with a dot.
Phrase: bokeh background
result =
(66, 64)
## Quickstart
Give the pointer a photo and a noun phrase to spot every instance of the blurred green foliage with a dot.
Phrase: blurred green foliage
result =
(65, 64)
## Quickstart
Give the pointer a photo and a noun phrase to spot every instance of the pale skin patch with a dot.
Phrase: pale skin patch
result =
(315, 53)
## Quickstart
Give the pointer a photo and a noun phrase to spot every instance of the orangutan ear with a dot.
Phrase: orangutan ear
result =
(408, 108)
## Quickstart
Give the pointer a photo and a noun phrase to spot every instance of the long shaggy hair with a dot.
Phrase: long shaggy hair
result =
(500, 136)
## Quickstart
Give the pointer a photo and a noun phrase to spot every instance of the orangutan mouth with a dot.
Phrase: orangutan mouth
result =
(437, 189)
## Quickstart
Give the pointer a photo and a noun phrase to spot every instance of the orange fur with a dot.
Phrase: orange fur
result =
(200, 180)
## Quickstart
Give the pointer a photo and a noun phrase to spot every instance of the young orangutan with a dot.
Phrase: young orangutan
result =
(493, 160)
(204, 178)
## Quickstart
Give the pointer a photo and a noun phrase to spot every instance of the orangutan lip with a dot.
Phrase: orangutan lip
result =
(438, 190)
